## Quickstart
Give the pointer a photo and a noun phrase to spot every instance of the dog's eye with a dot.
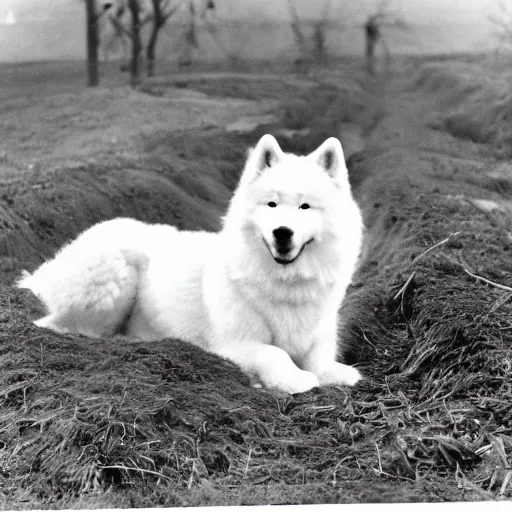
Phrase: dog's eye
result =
(304, 206)
(272, 204)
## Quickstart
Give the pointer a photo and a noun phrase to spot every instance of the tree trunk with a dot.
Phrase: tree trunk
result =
(372, 31)
(159, 20)
(150, 66)
(134, 7)
(92, 44)
(151, 49)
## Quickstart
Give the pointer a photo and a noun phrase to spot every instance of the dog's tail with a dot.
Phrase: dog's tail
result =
(23, 280)
(92, 296)
(26, 281)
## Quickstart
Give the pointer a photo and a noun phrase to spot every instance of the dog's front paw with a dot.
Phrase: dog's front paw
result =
(339, 375)
(298, 382)
(301, 382)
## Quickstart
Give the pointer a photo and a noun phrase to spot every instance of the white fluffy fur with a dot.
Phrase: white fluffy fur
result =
(225, 291)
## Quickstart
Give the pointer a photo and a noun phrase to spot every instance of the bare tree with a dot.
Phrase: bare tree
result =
(501, 19)
(319, 35)
(383, 16)
(312, 49)
(215, 31)
(92, 43)
(119, 35)
(93, 40)
(162, 11)
(139, 15)
(372, 37)
(135, 28)
(138, 18)
(190, 38)
(302, 62)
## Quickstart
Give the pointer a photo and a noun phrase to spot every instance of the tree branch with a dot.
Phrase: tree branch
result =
(171, 13)
(117, 24)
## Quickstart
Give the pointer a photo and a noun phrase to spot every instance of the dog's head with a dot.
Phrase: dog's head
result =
(286, 202)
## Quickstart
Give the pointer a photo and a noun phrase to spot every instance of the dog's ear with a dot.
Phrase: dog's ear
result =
(331, 158)
(265, 154)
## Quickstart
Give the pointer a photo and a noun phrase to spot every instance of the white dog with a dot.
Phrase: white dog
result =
(264, 292)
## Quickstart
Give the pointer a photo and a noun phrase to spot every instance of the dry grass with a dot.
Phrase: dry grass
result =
(88, 423)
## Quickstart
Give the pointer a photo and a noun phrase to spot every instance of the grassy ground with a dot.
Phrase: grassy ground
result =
(114, 423)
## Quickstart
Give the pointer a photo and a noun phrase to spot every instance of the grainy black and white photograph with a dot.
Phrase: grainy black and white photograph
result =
(255, 252)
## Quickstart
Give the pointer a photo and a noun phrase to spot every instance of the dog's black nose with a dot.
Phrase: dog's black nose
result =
(282, 234)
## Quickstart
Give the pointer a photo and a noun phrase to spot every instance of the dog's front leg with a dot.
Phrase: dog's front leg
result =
(271, 365)
(321, 358)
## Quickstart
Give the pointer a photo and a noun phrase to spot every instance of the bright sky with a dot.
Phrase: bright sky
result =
(416, 11)
(420, 11)
(435, 10)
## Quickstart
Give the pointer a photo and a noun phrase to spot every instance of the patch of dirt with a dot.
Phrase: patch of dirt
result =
(115, 423)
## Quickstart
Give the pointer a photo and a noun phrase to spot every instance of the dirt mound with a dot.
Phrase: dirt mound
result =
(444, 78)
(475, 106)
(188, 194)
(486, 119)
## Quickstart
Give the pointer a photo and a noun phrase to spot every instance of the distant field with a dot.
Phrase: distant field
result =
(54, 77)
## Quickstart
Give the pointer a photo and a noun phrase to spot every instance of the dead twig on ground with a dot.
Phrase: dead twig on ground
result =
(466, 269)
(404, 287)
(402, 290)
(487, 281)
(430, 249)
(128, 468)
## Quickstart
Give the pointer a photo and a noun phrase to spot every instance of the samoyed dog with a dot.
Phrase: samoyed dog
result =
(264, 292)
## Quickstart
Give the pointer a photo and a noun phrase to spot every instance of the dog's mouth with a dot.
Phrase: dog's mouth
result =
(283, 250)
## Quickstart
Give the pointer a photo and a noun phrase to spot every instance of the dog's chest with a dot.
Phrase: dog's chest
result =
(292, 325)
(292, 312)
